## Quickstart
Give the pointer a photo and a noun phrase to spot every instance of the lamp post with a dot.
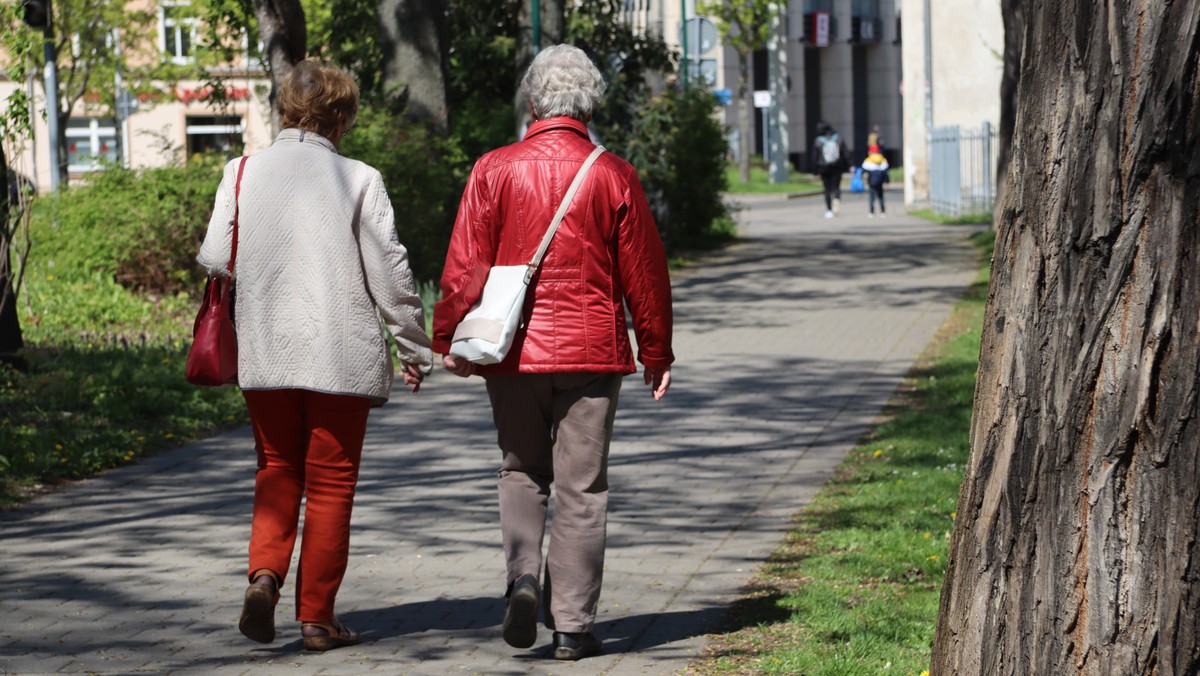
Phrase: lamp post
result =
(683, 74)
(37, 14)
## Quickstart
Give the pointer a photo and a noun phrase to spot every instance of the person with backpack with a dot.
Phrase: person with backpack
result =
(829, 153)
(876, 169)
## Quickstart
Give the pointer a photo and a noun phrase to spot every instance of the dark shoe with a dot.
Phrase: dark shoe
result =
(258, 610)
(322, 636)
(520, 618)
(575, 646)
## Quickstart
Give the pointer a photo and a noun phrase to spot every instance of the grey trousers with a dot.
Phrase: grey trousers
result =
(555, 428)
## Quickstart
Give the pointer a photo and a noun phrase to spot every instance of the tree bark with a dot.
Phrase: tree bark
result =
(745, 110)
(282, 29)
(1076, 545)
(11, 339)
(414, 37)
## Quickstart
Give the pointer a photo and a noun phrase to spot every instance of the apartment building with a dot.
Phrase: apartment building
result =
(842, 64)
(157, 126)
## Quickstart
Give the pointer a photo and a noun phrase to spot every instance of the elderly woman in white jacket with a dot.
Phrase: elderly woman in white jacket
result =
(318, 263)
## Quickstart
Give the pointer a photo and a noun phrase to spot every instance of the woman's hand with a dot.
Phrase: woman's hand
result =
(659, 381)
(458, 366)
(412, 376)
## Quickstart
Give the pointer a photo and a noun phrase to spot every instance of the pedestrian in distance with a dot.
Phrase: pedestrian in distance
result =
(876, 169)
(317, 264)
(831, 160)
(554, 395)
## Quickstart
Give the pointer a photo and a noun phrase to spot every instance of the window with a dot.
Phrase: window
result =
(215, 134)
(90, 141)
(178, 31)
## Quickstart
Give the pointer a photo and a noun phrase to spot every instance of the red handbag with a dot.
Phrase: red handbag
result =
(212, 359)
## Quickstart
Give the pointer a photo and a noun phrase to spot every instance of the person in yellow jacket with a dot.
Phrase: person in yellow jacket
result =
(875, 167)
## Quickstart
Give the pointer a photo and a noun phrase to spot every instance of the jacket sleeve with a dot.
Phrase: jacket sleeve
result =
(389, 277)
(645, 279)
(214, 252)
(470, 256)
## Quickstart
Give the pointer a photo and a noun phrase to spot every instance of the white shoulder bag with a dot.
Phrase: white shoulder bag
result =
(486, 333)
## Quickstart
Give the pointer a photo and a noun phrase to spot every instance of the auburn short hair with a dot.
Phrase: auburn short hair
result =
(319, 98)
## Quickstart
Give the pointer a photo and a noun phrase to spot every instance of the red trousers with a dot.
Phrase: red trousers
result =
(309, 446)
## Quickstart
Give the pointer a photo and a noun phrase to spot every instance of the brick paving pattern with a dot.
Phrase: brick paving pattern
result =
(788, 345)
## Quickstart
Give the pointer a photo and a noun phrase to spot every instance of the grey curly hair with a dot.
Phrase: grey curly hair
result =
(562, 80)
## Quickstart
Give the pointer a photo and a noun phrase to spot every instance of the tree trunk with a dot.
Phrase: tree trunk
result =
(282, 29)
(1013, 12)
(1076, 546)
(553, 31)
(414, 48)
(745, 110)
(10, 326)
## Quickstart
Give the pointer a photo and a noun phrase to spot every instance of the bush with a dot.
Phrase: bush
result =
(140, 228)
(679, 149)
(424, 173)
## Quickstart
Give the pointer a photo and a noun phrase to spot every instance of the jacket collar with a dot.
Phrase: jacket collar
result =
(301, 136)
(562, 122)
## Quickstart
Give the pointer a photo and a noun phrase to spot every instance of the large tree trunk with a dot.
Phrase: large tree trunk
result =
(1076, 547)
(552, 32)
(284, 34)
(415, 57)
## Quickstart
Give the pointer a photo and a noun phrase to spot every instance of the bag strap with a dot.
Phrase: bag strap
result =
(562, 211)
(237, 191)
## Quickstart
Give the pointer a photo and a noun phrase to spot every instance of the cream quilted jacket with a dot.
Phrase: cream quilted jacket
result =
(318, 264)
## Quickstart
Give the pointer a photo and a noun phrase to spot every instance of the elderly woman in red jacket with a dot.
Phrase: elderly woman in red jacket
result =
(554, 395)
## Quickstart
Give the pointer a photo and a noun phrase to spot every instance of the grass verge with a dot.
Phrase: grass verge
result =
(760, 181)
(854, 587)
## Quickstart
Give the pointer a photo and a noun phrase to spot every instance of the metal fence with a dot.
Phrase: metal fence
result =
(962, 170)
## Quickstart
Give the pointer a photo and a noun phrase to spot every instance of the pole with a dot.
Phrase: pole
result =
(777, 79)
(51, 87)
(536, 11)
(683, 75)
(928, 74)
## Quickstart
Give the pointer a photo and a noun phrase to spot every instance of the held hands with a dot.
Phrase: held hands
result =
(412, 376)
(458, 366)
(659, 381)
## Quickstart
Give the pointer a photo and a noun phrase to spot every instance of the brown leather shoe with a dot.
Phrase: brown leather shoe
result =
(322, 636)
(258, 610)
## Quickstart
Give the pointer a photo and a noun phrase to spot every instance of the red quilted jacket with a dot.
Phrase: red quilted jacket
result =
(606, 252)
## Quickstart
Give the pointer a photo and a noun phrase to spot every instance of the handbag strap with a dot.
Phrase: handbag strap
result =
(562, 211)
(237, 192)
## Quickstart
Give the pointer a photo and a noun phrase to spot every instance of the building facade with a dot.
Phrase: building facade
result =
(841, 61)
(953, 63)
(159, 125)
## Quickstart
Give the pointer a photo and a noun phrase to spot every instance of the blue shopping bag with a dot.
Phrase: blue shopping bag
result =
(856, 181)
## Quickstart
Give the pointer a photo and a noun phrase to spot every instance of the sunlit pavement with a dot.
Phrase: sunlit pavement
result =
(788, 346)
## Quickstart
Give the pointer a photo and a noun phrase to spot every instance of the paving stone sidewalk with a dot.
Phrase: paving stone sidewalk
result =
(788, 346)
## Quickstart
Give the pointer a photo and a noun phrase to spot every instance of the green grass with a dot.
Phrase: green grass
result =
(982, 218)
(854, 588)
(760, 181)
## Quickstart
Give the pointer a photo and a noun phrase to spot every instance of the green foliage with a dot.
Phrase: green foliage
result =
(678, 148)
(743, 25)
(482, 73)
(139, 228)
(632, 63)
(348, 33)
(424, 174)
